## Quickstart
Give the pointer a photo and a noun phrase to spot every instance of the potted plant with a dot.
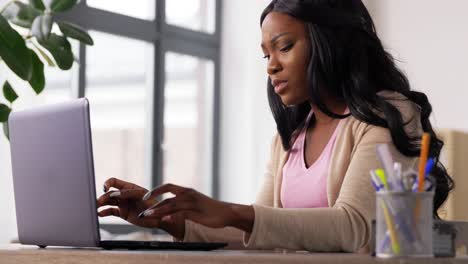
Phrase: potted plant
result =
(26, 42)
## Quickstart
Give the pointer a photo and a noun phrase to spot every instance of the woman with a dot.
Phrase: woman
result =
(335, 94)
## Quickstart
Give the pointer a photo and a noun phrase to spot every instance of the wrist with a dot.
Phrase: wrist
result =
(242, 217)
(176, 229)
(180, 234)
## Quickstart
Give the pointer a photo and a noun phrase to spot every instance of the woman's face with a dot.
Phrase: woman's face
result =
(286, 46)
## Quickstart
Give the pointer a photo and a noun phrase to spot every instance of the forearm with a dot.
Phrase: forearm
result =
(242, 217)
(312, 229)
(199, 233)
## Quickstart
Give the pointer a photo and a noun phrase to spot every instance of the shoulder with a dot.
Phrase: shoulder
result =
(407, 108)
(411, 115)
(277, 145)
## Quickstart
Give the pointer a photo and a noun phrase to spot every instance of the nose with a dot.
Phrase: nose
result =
(273, 66)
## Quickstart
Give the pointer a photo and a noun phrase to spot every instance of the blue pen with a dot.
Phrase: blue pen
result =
(376, 187)
(427, 184)
(429, 166)
(376, 183)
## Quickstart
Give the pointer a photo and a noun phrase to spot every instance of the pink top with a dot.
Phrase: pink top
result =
(304, 187)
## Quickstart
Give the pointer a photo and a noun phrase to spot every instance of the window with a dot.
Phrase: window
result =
(188, 121)
(196, 15)
(143, 9)
(119, 90)
(152, 79)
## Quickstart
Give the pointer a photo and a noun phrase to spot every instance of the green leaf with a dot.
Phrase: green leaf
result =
(60, 49)
(44, 55)
(75, 32)
(13, 51)
(37, 81)
(6, 131)
(9, 93)
(4, 112)
(61, 5)
(20, 14)
(42, 26)
(37, 4)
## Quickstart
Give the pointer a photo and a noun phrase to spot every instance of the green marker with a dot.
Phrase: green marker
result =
(381, 174)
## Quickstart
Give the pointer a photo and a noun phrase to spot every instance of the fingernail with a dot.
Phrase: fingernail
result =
(146, 196)
(114, 194)
(148, 212)
(141, 215)
(104, 188)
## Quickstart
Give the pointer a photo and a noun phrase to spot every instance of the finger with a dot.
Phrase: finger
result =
(163, 202)
(177, 199)
(128, 194)
(168, 209)
(118, 184)
(113, 197)
(107, 199)
(165, 188)
(109, 212)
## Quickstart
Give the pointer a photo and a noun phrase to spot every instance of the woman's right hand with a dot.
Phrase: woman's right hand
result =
(127, 203)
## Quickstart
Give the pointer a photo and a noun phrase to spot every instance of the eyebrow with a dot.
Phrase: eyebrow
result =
(275, 38)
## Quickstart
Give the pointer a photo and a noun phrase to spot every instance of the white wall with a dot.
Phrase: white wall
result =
(430, 37)
(246, 122)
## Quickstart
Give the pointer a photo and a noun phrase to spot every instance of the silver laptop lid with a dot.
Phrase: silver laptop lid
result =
(53, 175)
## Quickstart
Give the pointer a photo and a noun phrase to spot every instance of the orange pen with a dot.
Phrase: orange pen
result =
(426, 138)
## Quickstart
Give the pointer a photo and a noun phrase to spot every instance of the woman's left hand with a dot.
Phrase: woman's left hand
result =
(199, 208)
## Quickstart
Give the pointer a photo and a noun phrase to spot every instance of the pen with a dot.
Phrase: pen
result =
(391, 229)
(381, 175)
(423, 160)
(428, 184)
(379, 182)
(398, 170)
(376, 182)
(376, 187)
(409, 177)
(388, 218)
(429, 166)
(385, 157)
(422, 166)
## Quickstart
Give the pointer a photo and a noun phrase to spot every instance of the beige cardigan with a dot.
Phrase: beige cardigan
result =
(343, 226)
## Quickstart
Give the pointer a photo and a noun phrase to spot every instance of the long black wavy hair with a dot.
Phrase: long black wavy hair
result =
(349, 59)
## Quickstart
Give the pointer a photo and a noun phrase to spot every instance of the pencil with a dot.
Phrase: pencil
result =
(426, 138)
(391, 229)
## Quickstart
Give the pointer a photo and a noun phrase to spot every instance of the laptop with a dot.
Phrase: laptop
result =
(53, 179)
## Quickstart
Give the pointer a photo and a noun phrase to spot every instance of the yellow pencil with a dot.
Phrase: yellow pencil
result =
(426, 138)
(391, 229)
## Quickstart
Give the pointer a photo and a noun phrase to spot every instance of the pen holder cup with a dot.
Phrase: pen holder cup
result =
(404, 224)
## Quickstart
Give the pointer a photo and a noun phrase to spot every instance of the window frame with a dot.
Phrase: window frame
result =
(164, 38)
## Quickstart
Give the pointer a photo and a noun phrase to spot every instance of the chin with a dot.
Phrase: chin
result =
(290, 100)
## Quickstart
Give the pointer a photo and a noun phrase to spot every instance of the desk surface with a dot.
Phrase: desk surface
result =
(29, 254)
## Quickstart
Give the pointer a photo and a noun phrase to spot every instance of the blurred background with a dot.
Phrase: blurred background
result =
(178, 88)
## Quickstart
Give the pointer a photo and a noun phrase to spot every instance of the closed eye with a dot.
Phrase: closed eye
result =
(287, 48)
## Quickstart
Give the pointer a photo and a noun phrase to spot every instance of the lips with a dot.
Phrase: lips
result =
(280, 85)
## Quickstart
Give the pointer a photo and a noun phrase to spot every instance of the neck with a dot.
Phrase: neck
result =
(323, 119)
